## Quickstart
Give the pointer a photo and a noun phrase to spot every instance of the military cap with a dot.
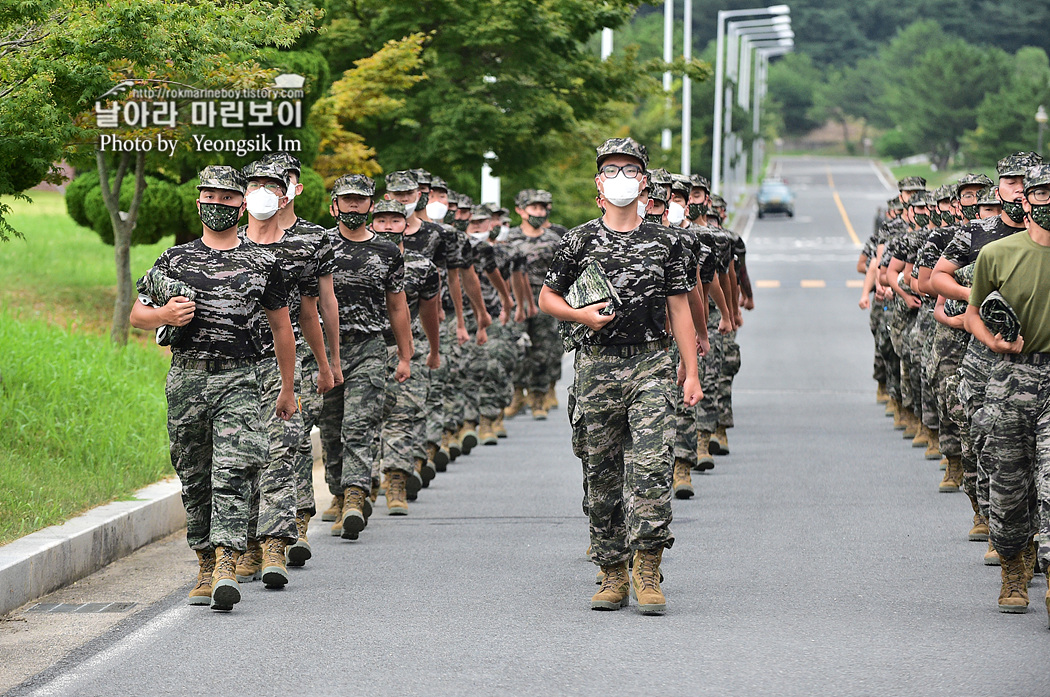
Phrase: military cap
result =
(439, 184)
(999, 317)
(680, 184)
(525, 197)
(658, 193)
(284, 160)
(222, 177)
(944, 193)
(894, 204)
(465, 201)
(265, 170)
(422, 176)
(988, 197)
(481, 212)
(503, 212)
(403, 180)
(972, 179)
(911, 184)
(357, 184)
(660, 177)
(453, 198)
(544, 196)
(490, 207)
(1017, 164)
(921, 198)
(700, 182)
(623, 146)
(1037, 176)
(391, 206)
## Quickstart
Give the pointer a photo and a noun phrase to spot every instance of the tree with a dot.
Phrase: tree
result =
(793, 83)
(1005, 119)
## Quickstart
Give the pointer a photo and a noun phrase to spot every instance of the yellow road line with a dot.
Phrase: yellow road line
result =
(842, 211)
(767, 284)
(855, 284)
(831, 182)
(813, 283)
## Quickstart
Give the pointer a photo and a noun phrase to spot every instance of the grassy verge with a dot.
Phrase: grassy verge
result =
(934, 178)
(83, 422)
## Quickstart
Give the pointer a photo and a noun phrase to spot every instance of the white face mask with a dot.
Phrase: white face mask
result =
(480, 236)
(641, 209)
(621, 191)
(291, 193)
(262, 204)
(504, 233)
(436, 210)
(675, 213)
(410, 207)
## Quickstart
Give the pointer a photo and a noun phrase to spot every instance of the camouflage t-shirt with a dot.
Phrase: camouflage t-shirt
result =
(537, 253)
(233, 288)
(645, 265)
(430, 241)
(970, 239)
(461, 256)
(935, 243)
(698, 255)
(304, 253)
(421, 283)
(364, 273)
(484, 264)
(558, 230)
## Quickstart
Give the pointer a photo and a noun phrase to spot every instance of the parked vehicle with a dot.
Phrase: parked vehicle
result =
(774, 196)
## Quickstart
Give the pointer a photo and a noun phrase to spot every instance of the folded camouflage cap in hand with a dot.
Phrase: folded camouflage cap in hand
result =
(156, 289)
(999, 317)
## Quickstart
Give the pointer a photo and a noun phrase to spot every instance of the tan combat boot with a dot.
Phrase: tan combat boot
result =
(1013, 597)
(396, 497)
(550, 397)
(430, 466)
(353, 520)
(944, 464)
(1048, 595)
(298, 553)
(704, 461)
(979, 531)
(337, 526)
(1030, 556)
(334, 510)
(486, 434)
(952, 476)
(881, 396)
(225, 592)
(683, 481)
(933, 450)
(720, 442)
(911, 425)
(249, 565)
(517, 403)
(455, 448)
(201, 593)
(615, 588)
(891, 408)
(538, 405)
(991, 557)
(274, 572)
(468, 436)
(922, 437)
(899, 423)
(645, 581)
(444, 452)
(498, 428)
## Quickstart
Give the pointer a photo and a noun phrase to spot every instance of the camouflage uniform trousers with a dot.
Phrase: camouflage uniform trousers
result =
(459, 401)
(542, 364)
(730, 367)
(710, 370)
(878, 372)
(435, 406)
(922, 350)
(310, 408)
(973, 374)
(494, 384)
(884, 348)
(354, 410)
(579, 435)
(217, 436)
(685, 422)
(403, 432)
(274, 495)
(901, 323)
(627, 408)
(949, 345)
(1016, 455)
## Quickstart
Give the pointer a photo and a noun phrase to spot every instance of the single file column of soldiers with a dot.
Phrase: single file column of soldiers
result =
(957, 281)
(408, 334)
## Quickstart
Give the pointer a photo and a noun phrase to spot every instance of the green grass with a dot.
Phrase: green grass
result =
(83, 422)
(933, 178)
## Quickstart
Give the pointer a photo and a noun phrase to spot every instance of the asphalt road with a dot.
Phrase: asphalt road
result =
(817, 559)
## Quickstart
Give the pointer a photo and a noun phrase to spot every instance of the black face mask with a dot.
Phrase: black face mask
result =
(696, 210)
(1041, 216)
(1014, 210)
(948, 218)
(424, 199)
(654, 218)
(922, 219)
(219, 216)
(460, 225)
(936, 218)
(537, 221)
(393, 238)
(450, 216)
(353, 220)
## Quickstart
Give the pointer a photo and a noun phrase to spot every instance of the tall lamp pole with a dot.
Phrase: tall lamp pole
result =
(1041, 119)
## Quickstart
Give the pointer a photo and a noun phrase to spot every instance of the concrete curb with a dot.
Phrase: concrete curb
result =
(49, 559)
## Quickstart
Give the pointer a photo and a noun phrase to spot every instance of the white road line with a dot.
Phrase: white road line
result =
(882, 177)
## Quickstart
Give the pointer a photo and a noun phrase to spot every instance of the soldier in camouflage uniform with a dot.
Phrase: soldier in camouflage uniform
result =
(216, 420)
(625, 376)
(1015, 416)
(402, 456)
(887, 364)
(369, 286)
(742, 298)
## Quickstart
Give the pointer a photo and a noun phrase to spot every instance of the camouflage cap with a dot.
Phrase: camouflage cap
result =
(622, 146)
(453, 199)
(1018, 164)
(1037, 176)
(717, 201)
(974, 179)
(465, 201)
(422, 176)
(660, 177)
(284, 160)
(503, 212)
(894, 204)
(921, 198)
(988, 197)
(439, 184)
(700, 182)
(391, 206)
(222, 177)
(659, 193)
(911, 184)
(544, 196)
(402, 180)
(525, 197)
(681, 185)
(265, 170)
(944, 193)
(481, 212)
(490, 207)
(357, 184)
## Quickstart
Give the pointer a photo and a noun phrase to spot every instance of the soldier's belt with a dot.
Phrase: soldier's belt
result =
(1028, 358)
(626, 350)
(215, 365)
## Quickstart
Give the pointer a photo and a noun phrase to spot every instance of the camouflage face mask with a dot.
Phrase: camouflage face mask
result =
(219, 216)
(971, 212)
(935, 216)
(424, 199)
(393, 238)
(450, 216)
(1014, 210)
(460, 225)
(537, 221)
(922, 219)
(353, 220)
(948, 218)
(696, 210)
(1041, 216)
(654, 218)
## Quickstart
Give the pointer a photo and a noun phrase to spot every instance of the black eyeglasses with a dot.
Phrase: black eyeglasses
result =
(1039, 196)
(629, 171)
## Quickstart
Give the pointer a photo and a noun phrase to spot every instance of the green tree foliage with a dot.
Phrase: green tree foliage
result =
(1006, 117)
(793, 82)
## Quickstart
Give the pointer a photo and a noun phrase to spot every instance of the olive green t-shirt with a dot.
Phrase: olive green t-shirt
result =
(1019, 268)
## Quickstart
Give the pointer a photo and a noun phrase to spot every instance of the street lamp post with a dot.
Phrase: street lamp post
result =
(665, 141)
(1041, 119)
(687, 90)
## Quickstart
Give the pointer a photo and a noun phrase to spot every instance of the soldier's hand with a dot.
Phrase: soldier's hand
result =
(441, 313)
(1003, 346)
(912, 301)
(534, 309)
(691, 392)
(325, 380)
(519, 314)
(403, 370)
(681, 372)
(865, 302)
(703, 346)
(337, 376)
(724, 325)
(592, 317)
(482, 336)
(286, 406)
(462, 336)
(504, 317)
(484, 321)
(178, 312)
(749, 303)
(433, 360)
(738, 319)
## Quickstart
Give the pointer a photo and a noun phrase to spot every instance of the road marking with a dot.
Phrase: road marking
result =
(855, 284)
(882, 177)
(767, 284)
(842, 211)
(813, 283)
